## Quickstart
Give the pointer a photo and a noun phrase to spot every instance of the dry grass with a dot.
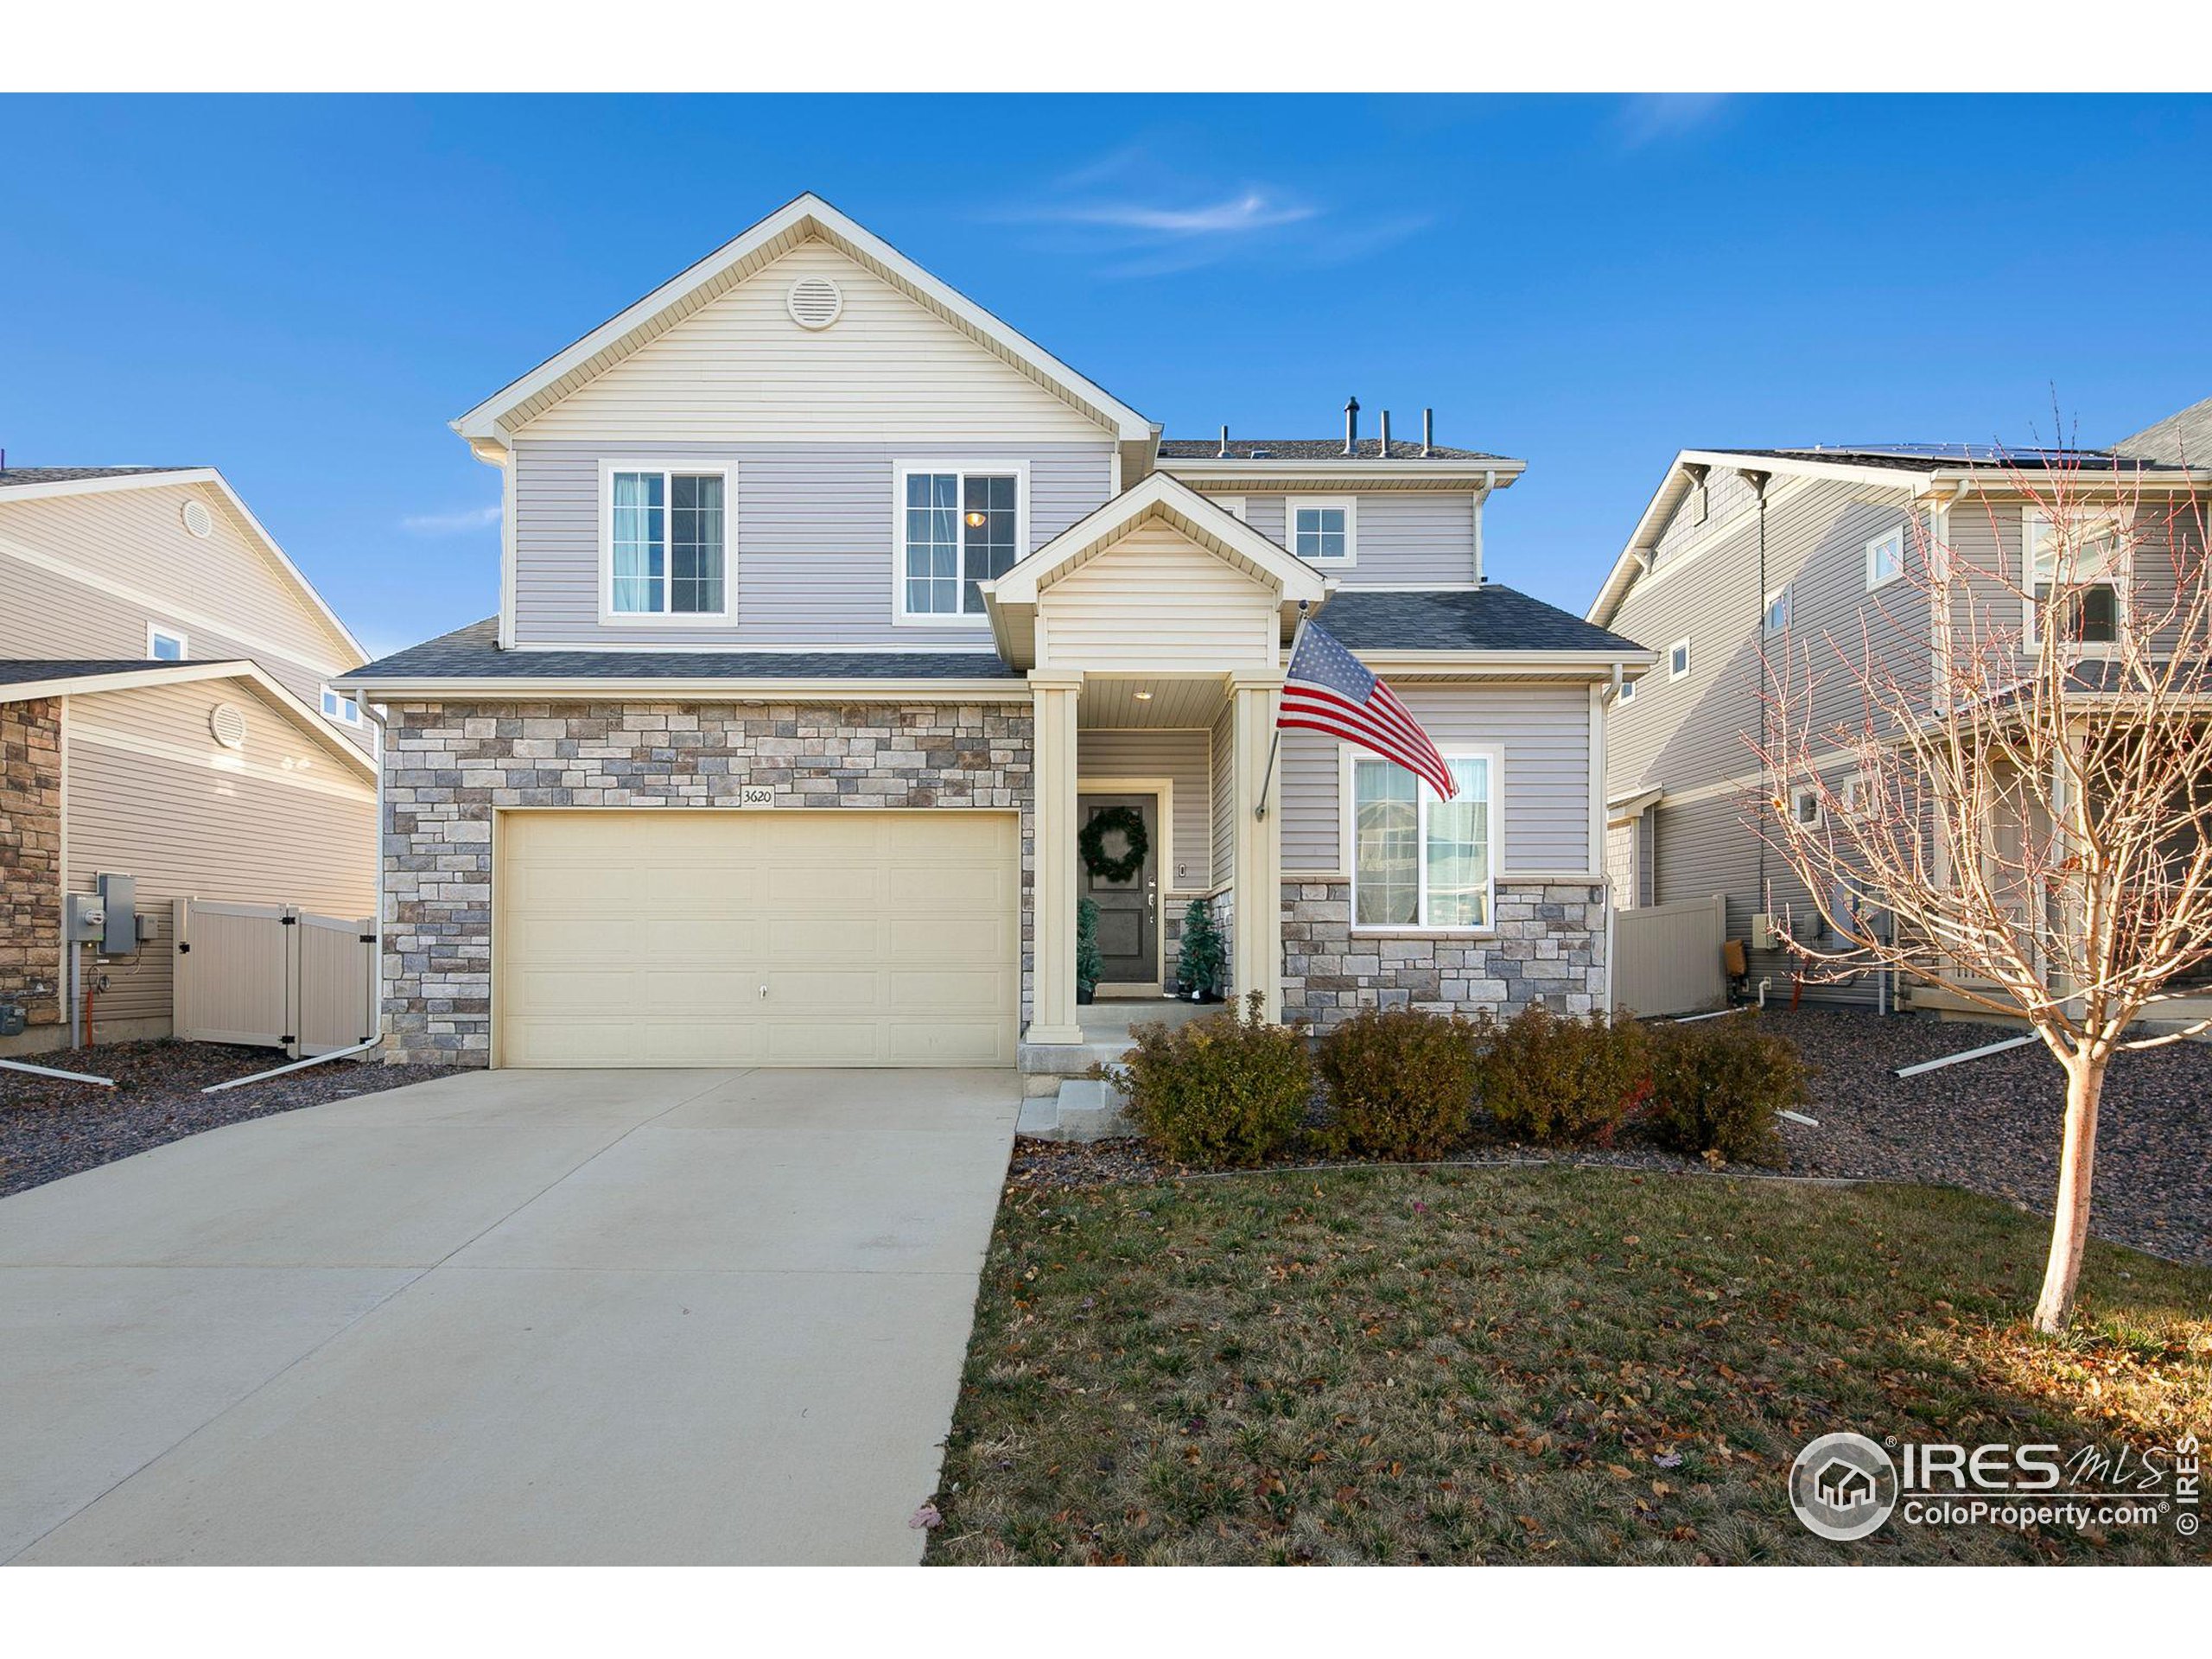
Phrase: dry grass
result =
(1528, 1365)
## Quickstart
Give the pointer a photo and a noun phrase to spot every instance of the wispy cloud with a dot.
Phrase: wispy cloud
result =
(450, 523)
(1133, 217)
(1654, 118)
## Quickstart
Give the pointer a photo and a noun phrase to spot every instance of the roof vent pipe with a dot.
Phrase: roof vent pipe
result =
(1351, 426)
(1386, 434)
(1427, 432)
(1223, 451)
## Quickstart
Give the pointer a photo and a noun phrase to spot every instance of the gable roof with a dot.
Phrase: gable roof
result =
(22, 679)
(798, 221)
(1488, 618)
(2182, 439)
(20, 485)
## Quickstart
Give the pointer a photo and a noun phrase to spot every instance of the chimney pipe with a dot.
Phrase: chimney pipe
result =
(1351, 426)
(1223, 451)
(1386, 434)
(1427, 432)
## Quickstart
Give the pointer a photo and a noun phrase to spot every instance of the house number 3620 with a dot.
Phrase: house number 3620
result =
(756, 795)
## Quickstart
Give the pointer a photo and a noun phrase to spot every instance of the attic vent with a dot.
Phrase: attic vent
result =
(198, 520)
(228, 721)
(815, 301)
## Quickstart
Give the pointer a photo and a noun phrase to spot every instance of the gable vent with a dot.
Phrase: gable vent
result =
(228, 721)
(815, 301)
(198, 520)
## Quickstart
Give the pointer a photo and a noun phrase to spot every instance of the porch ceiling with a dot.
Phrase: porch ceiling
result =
(1113, 704)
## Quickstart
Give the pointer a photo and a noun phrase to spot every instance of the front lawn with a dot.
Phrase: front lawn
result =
(1544, 1364)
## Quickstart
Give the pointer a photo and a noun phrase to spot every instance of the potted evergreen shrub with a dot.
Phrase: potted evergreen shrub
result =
(1088, 966)
(1204, 962)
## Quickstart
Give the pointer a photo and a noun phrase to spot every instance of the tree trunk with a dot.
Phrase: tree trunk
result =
(2070, 1226)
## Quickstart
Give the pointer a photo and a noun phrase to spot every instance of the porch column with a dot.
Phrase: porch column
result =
(1256, 925)
(1053, 1015)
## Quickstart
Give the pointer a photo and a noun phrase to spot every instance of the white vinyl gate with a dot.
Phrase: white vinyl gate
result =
(1666, 957)
(274, 976)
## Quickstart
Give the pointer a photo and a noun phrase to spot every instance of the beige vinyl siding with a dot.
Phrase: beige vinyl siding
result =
(1224, 795)
(1185, 758)
(1544, 731)
(812, 548)
(1153, 602)
(153, 795)
(1407, 538)
(82, 576)
(738, 369)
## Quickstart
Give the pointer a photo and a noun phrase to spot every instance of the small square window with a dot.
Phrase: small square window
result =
(1322, 532)
(1678, 659)
(1777, 611)
(165, 644)
(1885, 559)
(1628, 691)
(340, 707)
(1805, 808)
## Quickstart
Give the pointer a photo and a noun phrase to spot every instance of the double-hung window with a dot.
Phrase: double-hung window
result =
(1418, 862)
(1323, 532)
(667, 549)
(958, 527)
(2092, 602)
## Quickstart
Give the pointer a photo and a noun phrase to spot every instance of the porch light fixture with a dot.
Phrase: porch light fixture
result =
(1144, 696)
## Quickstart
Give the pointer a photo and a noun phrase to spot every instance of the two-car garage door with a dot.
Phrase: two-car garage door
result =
(757, 938)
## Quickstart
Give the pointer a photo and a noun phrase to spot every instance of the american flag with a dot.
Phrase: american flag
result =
(1327, 691)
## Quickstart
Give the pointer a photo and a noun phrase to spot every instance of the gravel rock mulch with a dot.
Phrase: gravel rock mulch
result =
(50, 1128)
(1990, 1126)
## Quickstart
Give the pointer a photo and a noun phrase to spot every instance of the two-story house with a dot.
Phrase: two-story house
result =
(1748, 563)
(833, 610)
(168, 712)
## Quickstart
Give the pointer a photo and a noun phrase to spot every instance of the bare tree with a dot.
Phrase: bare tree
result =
(2002, 786)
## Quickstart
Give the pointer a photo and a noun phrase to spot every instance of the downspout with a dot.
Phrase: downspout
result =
(1758, 482)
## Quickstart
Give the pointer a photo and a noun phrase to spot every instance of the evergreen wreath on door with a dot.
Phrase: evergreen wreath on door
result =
(1091, 843)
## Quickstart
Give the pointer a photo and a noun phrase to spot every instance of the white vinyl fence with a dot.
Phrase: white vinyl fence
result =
(1666, 957)
(274, 976)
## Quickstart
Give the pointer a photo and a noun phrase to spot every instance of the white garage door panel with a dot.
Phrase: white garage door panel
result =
(646, 938)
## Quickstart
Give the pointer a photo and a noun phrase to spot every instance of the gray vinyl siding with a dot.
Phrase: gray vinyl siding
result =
(133, 540)
(811, 551)
(1544, 731)
(1185, 758)
(1405, 538)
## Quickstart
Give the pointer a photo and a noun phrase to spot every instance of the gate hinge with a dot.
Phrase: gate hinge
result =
(288, 1038)
(291, 921)
(368, 938)
(183, 948)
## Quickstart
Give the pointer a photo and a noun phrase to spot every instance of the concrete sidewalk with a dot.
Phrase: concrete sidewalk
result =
(507, 1317)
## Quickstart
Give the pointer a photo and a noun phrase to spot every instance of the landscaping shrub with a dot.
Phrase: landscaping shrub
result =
(1562, 1081)
(1400, 1083)
(1717, 1084)
(1229, 1090)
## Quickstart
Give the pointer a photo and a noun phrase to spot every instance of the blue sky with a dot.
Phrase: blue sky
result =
(304, 291)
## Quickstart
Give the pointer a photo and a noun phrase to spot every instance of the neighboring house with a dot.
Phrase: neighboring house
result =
(1745, 556)
(806, 534)
(166, 712)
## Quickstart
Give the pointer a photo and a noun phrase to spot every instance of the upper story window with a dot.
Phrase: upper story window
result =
(1777, 611)
(1628, 691)
(2093, 605)
(340, 707)
(665, 555)
(1232, 504)
(165, 644)
(1678, 659)
(1885, 558)
(1324, 531)
(957, 527)
(1418, 862)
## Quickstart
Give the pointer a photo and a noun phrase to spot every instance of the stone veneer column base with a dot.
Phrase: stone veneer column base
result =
(1550, 945)
(30, 858)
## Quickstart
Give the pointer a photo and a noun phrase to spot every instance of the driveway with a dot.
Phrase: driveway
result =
(507, 1317)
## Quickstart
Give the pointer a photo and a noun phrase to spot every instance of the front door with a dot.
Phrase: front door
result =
(1128, 915)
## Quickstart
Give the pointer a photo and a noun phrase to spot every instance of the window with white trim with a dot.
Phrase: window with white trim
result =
(165, 644)
(1628, 691)
(1805, 808)
(1232, 504)
(1678, 660)
(1323, 531)
(1417, 861)
(2093, 600)
(1885, 559)
(1777, 611)
(958, 528)
(666, 547)
(340, 707)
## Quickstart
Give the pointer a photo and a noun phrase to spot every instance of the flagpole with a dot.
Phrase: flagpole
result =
(1275, 743)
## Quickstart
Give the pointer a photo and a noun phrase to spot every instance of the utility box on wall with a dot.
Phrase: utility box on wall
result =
(120, 898)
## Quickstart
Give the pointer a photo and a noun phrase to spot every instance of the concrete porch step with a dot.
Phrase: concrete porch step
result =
(1083, 1109)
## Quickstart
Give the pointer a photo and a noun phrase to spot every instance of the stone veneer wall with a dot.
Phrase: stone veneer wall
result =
(1550, 942)
(31, 857)
(448, 766)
